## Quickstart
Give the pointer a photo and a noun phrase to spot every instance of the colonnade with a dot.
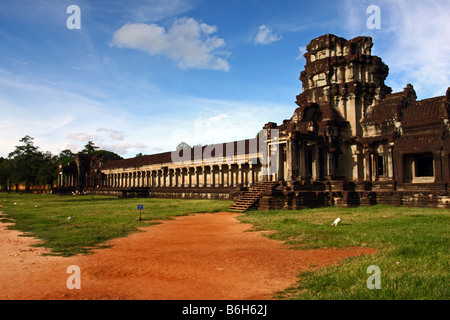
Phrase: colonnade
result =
(220, 175)
(67, 180)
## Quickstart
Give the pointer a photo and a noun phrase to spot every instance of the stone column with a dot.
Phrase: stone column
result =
(153, 178)
(205, 176)
(390, 163)
(62, 179)
(158, 178)
(177, 177)
(291, 159)
(150, 178)
(232, 176)
(191, 176)
(251, 174)
(445, 159)
(214, 176)
(223, 175)
(165, 174)
(170, 173)
(368, 165)
(59, 179)
(240, 174)
(197, 176)
(183, 177)
(220, 178)
(437, 165)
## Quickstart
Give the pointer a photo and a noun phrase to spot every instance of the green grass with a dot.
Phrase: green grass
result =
(412, 243)
(95, 219)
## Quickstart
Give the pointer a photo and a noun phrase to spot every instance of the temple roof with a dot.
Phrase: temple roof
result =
(419, 142)
(239, 148)
(425, 112)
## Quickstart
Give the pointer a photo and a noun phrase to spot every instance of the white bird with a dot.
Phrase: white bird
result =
(15, 203)
(36, 206)
(69, 218)
(335, 223)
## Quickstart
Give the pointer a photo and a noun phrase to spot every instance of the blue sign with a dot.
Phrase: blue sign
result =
(140, 207)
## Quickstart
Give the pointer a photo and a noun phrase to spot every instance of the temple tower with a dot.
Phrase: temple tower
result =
(343, 77)
(343, 74)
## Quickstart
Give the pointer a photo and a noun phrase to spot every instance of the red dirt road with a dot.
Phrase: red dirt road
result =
(196, 257)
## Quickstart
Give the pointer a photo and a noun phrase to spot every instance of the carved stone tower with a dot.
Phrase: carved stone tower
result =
(344, 79)
(344, 75)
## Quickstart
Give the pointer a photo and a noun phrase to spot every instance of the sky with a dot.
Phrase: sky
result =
(143, 76)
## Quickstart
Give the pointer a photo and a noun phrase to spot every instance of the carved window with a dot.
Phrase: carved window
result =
(309, 162)
(418, 168)
(424, 166)
(381, 165)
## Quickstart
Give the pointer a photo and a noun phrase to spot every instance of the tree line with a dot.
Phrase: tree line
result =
(27, 165)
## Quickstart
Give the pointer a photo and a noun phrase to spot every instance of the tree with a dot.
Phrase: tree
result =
(65, 156)
(89, 148)
(5, 172)
(25, 162)
(48, 169)
(182, 146)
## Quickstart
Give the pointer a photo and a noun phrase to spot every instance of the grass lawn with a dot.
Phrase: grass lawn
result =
(413, 250)
(95, 219)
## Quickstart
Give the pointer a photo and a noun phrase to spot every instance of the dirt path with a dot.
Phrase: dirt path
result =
(202, 256)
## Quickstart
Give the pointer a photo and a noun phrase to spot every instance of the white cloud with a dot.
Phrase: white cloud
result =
(413, 41)
(302, 50)
(82, 137)
(266, 36)
(113, 134)
(187, 42)
(124, 148)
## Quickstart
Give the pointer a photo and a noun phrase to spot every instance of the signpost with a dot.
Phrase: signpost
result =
(140, 208)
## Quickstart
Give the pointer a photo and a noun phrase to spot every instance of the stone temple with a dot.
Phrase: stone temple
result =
(349, 142)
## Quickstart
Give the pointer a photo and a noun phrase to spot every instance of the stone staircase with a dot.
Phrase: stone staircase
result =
(250, 199)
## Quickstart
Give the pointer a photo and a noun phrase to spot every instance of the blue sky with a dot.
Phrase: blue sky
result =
(142, 76)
